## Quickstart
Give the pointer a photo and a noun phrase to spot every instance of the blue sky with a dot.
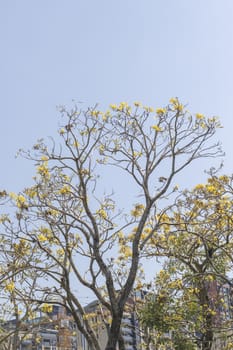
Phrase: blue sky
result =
(56, 51)
(109, 51)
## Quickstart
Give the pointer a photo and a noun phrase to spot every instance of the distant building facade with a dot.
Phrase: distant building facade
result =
(56, 332)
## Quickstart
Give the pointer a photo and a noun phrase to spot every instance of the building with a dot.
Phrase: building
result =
(100, 319)
(54, 330)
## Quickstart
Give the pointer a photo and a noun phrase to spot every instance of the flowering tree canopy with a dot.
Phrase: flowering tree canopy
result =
(75, 231)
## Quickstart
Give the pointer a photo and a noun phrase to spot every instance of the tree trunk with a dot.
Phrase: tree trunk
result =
(208, 335)
(114, 334)
(121, 342)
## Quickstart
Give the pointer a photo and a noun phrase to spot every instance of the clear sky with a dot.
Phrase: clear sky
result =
(54, 51)
(106, 51)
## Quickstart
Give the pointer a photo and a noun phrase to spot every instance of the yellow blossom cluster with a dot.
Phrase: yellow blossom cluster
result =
(139, 285)
(45, 234)
(126, 251)
(137, 154)
(101, 149)
(31, 192)
(89, 315)
(120, 235)
(161, 111)
(200, 116)
(62, 131)
(38, 340)
(106, 116)
(156, 128)
(224, 178)
(102, 213)
(60, 252)
(20, 200)
(123, 106)
(64, 190)
(95, 113)
(10, 287)
(46, 308)
(148, 109)
(199, 187)
(22, 248)
(43, 170)
(4, 218)
(138, 210)
(176, 284)
(42, 238)
(163, 275)
(176, 105)
(76, 144)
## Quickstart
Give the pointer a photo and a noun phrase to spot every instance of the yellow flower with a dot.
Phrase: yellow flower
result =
(4, 218)
(211, 189)
(47, 308)
(42, 238)
(76, 144)
(126, 251)
(199, 187)
(106, 115)
(120, 235)
(147, 230)
(137, 154)
(200, 116)
(138, 286)
(113, 107)
(138, 210)
(21, 201)
(171, 239)
(123, 105)
(179, 107)
(224, 178)
(148, 109)
(176, 105)
(61, 131)
(156, 128)
(38, 340)
(10, 287)
(202, 125)
(43, 170)
(13, 195)
(173, 100)
(102, 213)
(65, 189)
(30, 192)
(95, 113)
(137, 104)
(160, 110)
(101, 149)
(60, 252)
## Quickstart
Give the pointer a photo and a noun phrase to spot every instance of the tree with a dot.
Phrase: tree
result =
(196, 234)
(17, 283)
(161, 321)
(75, 226)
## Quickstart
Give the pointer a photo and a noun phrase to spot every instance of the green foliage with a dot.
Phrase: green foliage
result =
(152, 314)
(181, 342)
